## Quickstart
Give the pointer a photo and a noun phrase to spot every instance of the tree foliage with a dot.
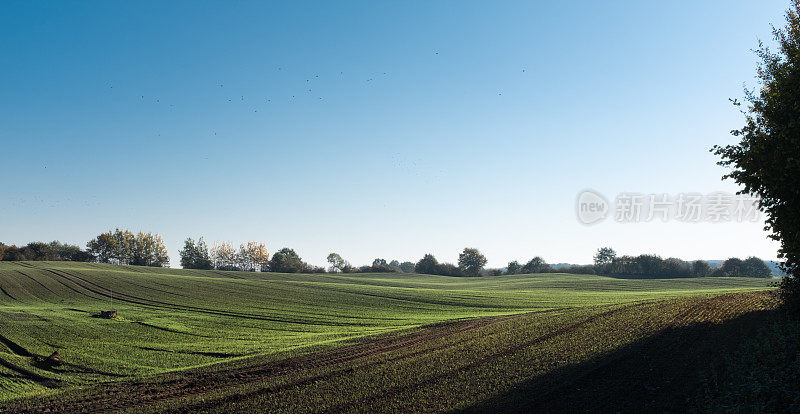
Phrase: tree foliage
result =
(427, 265)
(604, 257)
(407, 267)
(765, 161)
(195, 255)
(536, 265)
(471, 261)
(701, 268)
(54, 250)
(513, 267)
(286, 260)
(337, 263)
(124, 247)
(223, 256)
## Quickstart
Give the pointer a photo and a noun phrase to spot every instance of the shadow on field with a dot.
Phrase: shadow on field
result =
(664, 373)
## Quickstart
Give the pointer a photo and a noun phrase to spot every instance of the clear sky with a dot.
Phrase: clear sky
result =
(372, 129)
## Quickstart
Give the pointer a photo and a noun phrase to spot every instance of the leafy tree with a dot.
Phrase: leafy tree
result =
(755, 267)
(674, 267)
(195, 255)
(252, 256)
(101, 247)
(579, 270)
(449, 269)
(54, 250)
(701, 268)
(765, 160)
(471, 262)
(148, 249)
(286, 260)
(381, 266)
(407, 267)
(70, 252)
(124, 247)
(395, 266)
(223, 256)
(603, 259)
(16, 254)
(337, 263)
(732, 267)
(41, 251)
(648, 265)
(536, 265)
(513, 268)
(307, 268)
(427, 265)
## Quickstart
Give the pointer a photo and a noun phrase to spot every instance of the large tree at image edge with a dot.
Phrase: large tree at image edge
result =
(766, 161)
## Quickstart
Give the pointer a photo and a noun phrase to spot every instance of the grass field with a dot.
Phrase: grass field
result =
(384, 338)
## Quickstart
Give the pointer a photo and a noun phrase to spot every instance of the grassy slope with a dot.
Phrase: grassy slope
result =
(175, 319)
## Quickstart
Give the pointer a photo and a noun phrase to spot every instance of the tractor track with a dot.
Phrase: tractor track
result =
(285, 374)
(123, 297)
(197, 383)
(129, 394)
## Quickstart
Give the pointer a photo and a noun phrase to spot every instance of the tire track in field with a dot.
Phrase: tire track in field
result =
(196, 383)
(39, 379)
(19, 350)
(394, 391)
(343, 355)
(37, 281)
(161, 328)
(70, 287)
(676, 341)
(472, 324)
(414, 301)
(200, 384)
(15, 347)
(193, 383)
(2, 289)
(93, 287)
(157, 289)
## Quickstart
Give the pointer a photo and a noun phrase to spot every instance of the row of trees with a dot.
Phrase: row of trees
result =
(470, 263)
(124, 247)
(339, 265)
(251, 256)
(118, 247)
(54, 250)
(607, 262)
(147, 249)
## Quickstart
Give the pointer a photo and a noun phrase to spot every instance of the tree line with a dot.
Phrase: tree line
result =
(606, 262)
(251, 256)
(148, 249)
(54, 250)
(116, 247)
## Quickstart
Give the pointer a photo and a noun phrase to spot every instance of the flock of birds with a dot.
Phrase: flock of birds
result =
(309, 90)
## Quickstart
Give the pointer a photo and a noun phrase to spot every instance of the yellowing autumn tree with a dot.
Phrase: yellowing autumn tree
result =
(252, 256)
(223, 256)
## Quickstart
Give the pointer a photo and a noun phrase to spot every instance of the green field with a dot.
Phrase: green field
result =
(172, 320)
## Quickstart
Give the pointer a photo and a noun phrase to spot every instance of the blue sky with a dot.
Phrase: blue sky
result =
(373, 129)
